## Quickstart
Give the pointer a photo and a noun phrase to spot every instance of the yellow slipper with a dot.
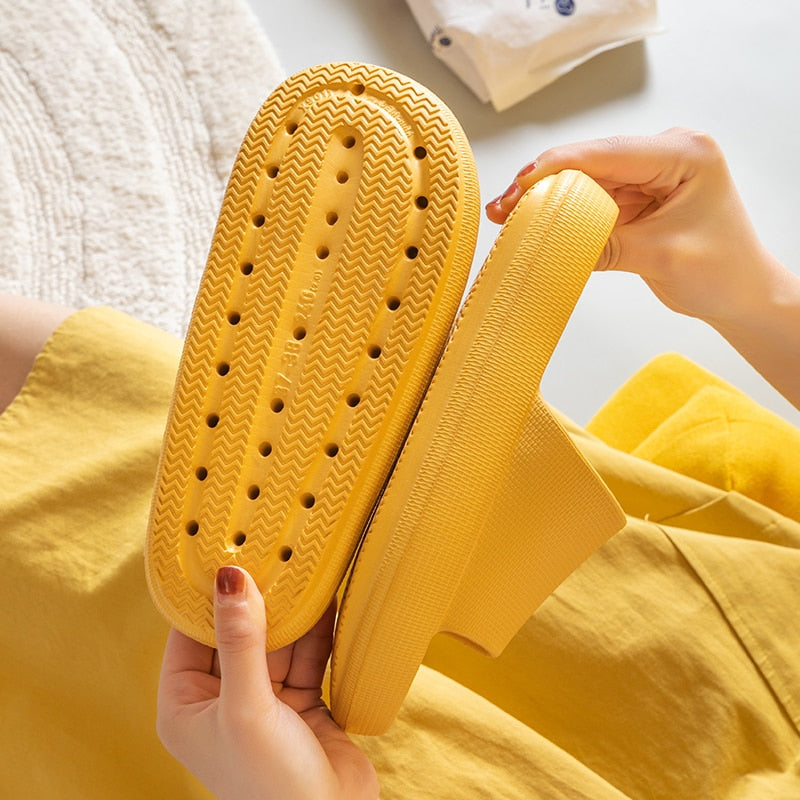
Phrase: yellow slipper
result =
(338, 264)
(490, 505)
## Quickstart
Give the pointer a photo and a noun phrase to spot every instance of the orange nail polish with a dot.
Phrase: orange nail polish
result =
(527, 169)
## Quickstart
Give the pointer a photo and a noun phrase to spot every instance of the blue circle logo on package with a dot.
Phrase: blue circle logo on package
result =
(565, 7)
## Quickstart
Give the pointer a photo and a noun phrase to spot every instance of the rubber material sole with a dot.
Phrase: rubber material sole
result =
(490, 505)
(336, 270)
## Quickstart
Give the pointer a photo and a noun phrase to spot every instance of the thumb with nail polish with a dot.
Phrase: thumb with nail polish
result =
(252, 724)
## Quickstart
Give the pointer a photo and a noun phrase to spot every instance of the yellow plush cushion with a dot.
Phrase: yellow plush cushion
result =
(675, 414)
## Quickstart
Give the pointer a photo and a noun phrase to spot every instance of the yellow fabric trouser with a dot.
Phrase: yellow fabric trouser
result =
(667, 666)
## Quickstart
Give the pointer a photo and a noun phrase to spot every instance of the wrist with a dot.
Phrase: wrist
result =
(756, 287)
(765, 327)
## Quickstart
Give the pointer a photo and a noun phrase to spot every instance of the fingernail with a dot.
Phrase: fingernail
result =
(513, 189)
(230, 581)
(527, 169)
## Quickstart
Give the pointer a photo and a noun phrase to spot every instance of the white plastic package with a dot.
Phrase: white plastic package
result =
(505, 50)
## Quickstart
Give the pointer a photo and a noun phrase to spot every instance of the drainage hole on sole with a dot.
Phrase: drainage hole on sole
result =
(223, 368)
(331, 450)
(331, 218)
(349, 142)
(277, 405)
(420, 152)
(374, 351)
(299, 333)
(342, 177)
(285, 554)
(246, 268)
(393, 303)
(412, 252)
(265, 449)
(201, 473)
(358, 88)
(421, 201)
(322, 252)
(272, 171)
(253, 492)
(353, 400)
(259, 220)
(307, 500)
(291, 127)
(212, 420)
(192, 528)
(239, 539)
(234, 318)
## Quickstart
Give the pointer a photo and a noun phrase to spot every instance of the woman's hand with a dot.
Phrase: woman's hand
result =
(682, 226)
(684, 230)
(255, 726)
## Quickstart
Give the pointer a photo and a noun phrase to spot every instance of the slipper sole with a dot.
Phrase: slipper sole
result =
(490, 505)
(336, 269)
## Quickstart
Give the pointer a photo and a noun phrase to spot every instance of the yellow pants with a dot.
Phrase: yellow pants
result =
(667, 666)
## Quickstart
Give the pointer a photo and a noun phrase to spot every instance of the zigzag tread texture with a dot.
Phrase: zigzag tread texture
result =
(338, 262)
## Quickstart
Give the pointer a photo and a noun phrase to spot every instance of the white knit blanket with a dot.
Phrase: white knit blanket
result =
(119, 123)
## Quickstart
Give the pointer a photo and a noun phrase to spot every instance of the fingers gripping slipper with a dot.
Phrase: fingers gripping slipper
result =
(490, 506)
(337, 266)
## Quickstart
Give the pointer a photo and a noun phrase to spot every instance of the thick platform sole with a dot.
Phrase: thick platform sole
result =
(336, 270)
(490, 505)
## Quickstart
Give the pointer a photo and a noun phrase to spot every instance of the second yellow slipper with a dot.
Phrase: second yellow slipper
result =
(490, 505)
(339, 261)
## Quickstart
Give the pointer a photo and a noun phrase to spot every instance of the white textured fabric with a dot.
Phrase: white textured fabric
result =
(119, 123)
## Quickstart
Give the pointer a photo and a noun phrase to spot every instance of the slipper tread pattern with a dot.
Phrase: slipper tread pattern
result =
(280, 267)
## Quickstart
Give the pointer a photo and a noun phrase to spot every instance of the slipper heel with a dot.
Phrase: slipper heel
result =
(490, 505)
(336, 270)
